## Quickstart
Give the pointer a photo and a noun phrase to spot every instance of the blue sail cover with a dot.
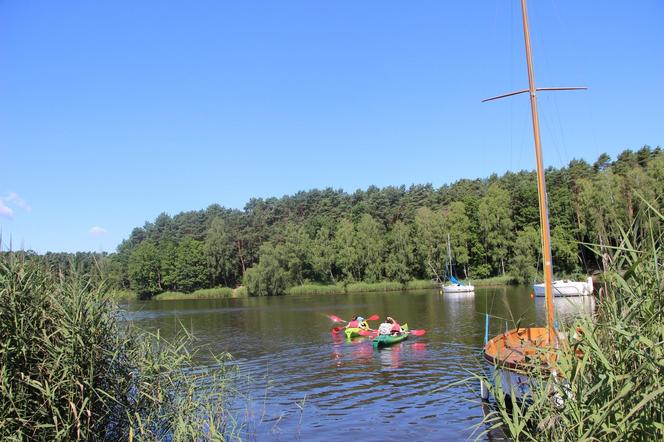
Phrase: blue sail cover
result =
(453, 280)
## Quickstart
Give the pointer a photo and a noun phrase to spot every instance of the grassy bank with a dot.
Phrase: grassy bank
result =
(308, 289)
(495, 281)
(358, 287)
(73, 369)
(121, 295)
(609, 382)
(213, 293)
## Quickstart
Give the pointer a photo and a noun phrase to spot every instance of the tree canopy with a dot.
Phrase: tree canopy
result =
(395, 233)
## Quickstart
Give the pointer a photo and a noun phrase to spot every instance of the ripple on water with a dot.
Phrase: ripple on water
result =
(299, 381)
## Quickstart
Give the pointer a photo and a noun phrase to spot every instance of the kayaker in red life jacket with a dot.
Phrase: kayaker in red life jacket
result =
(358, 322)
(355, 323)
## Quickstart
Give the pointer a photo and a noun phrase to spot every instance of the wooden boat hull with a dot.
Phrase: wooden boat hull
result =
(510, 354)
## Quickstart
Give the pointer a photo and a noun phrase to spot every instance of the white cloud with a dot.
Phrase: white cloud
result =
(5, 212)
(17, 200)
(13, 199)
(98, 231)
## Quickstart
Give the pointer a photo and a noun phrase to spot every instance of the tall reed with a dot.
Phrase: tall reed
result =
(607, 382)
(71, 368)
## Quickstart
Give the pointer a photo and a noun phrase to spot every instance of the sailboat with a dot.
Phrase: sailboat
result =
(511, 353)
(454, 285)
(565, 288)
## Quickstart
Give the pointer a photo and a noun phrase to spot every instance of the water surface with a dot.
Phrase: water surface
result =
(303, 383)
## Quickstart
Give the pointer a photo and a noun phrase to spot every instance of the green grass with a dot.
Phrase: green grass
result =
(609, 382)
(213, 293)
(122, 295)
(357, 287)
(421, 284)
(72, 368)
(316, 289)
(240, 292)
(496, 280)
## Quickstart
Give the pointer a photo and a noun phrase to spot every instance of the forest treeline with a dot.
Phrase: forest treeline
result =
(394, 233)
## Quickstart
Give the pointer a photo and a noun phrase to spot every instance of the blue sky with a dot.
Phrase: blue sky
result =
(113, 112)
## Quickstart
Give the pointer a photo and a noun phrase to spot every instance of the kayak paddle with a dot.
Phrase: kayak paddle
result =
(419, 332)
(335, 318)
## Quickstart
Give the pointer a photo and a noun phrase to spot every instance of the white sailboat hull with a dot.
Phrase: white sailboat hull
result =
(567, 288)
(458, 288)
(516, 385)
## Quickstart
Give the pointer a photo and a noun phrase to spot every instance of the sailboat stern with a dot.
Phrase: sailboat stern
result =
(515, 357)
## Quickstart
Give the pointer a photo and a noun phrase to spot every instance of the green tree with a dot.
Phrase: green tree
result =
(143, 268)
(369, 244)
(323, 255)
(524, 260)
(457, 224)
(565, 251)
(496, 225)
(297, 254)
(268, 277)
(191, 268)
(168, 263)
(400, 253)
(347, 258)
(431, 240)
(220, 253)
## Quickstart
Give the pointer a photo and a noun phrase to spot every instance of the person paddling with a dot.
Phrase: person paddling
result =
(355, 323)
(389, 327)
(358, 322)
(396, 327)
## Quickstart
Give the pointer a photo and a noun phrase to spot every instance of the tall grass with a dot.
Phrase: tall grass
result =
(316, 289)
(356, 287)
(213, 293)
(71, 368)
(607, 382)
(496, 280)
(122, 295)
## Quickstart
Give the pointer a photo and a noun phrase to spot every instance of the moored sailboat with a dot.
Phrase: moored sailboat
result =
(520, 354)
(454, 285)
(564, 288)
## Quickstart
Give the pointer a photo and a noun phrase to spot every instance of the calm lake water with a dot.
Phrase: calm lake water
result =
(303, 383)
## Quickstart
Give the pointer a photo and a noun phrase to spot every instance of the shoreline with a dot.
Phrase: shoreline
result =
(307, 289)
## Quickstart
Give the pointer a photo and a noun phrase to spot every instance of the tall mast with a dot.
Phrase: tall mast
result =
(449, 256)
(541, 183)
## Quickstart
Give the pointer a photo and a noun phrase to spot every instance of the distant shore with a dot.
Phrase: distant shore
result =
(309, 289)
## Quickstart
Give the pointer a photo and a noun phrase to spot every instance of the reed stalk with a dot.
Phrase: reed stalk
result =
(72, 368)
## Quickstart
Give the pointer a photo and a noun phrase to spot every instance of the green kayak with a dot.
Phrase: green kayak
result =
(387, 340)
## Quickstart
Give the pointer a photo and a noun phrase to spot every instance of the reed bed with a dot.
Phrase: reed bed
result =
(316, 289)
(71, 368)
(607, 382)
(213, 293)
(357, 287)
(421, 284)
(122, 295)
(496, 280)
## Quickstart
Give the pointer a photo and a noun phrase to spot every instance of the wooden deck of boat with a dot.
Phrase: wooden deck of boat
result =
(514, 347)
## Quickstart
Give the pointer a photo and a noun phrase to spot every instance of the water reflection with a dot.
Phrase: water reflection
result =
(570, 307)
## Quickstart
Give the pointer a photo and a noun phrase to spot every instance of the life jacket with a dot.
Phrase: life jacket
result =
(396, 327)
